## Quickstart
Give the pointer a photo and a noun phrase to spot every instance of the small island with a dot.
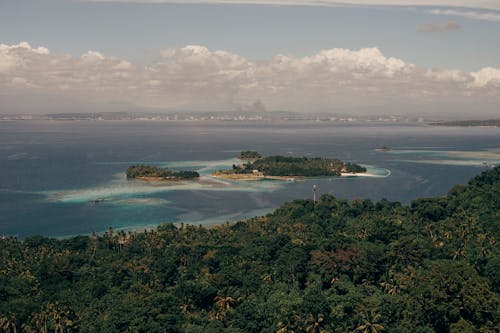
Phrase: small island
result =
(249, 155)
(287, 168)
(154, 173)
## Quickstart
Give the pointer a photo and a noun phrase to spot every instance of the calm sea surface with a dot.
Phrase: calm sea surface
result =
(51, 172)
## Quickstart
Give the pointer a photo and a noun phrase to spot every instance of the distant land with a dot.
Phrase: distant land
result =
(226, 116)
(469, 123)
(251, 116)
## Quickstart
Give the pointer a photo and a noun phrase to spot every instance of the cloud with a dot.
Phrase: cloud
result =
(8, 58)
(479, 4)
(486, 76)
(475, 15)
(486, 10)
(197, 78)
(439, 27)
(448, 75)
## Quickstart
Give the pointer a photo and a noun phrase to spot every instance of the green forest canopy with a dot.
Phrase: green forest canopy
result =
(137, 171)
(333, 266)
(249, 154)
(298, 166)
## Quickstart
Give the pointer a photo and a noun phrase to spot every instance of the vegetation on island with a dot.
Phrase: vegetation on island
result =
(150, 171)
(249, 155)
(287, 166)
(333, 266)
(469, 123)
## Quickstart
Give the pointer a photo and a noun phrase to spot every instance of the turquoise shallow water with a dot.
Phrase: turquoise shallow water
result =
(51, 172)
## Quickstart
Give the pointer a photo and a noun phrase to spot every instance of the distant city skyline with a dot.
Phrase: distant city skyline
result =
(360, 56)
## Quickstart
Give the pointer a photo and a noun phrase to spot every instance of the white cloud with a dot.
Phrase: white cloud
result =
(486, 76)
(19, 80)
(9, 61)
(123, 65)
(25, 46)
(486, 10)
(448, 75)
(92, 56)
(195, 77)
(479, 4)
(475, 15)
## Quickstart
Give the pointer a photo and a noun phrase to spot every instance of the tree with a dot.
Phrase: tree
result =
(369, 327)
(8, 324)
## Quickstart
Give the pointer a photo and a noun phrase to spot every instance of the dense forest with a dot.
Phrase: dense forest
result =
(298, 166)
(140, 171)
(333, 266)
(249, 155)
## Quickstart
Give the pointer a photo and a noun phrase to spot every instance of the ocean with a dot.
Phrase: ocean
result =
(51, 172)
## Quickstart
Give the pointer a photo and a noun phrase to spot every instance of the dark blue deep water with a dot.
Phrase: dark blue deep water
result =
(50, 172)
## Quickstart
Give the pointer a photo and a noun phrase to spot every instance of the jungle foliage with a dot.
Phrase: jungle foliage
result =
(137, 171)
(333, 266)
(249, 155)
(299, 166)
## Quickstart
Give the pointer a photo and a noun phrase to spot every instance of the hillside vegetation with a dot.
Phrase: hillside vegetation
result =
(334, 266)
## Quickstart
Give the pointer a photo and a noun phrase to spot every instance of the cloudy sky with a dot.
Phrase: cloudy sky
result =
(344, 56)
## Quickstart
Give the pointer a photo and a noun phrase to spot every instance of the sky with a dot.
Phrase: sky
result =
(345, 56)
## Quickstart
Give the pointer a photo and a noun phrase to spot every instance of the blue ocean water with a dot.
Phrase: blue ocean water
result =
(51, 172)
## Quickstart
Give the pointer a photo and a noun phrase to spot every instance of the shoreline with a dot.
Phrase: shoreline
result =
(163, 179)
(251, 177)
(357, 174)
(254, 177)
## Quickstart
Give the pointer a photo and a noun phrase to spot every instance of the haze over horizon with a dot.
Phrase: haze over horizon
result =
(359, 57)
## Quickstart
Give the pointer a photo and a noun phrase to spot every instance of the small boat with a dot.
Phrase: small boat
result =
(383, 148)
(487, 165)
(96, 201)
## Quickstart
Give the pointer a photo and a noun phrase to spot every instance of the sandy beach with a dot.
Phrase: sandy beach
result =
(252, 176)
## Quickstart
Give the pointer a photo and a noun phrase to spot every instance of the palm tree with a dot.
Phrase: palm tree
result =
(55, 316)
(94, 244)
(8, 324)
(40, 320)
(390, 287)
(223, 304)
(459, 253)
(153, 241)
(122, 240)
(26, 328)
(3, 323)
(314, 323)
(368, 327)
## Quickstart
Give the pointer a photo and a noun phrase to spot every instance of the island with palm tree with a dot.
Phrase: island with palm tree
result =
(154, 173)
(256, 167)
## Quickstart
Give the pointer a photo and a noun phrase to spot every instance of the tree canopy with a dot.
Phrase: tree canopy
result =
(141, 171)
(249, 154)
(295, 166)
(330, 266)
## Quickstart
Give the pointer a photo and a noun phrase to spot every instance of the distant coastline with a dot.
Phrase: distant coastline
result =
(468, 123)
